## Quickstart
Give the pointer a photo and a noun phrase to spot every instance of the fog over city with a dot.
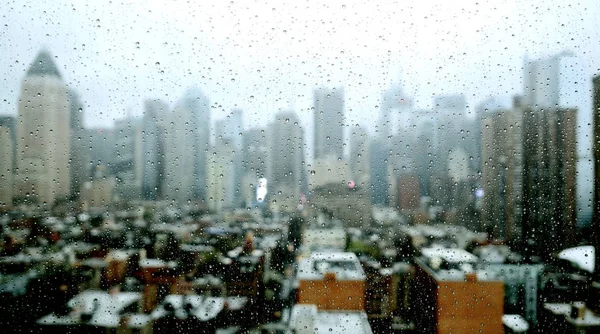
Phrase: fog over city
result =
(266, 55)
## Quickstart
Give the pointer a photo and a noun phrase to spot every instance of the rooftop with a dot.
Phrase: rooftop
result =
(345, 266)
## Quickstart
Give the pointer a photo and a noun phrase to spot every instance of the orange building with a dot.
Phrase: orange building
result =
(451, 298)
(332, 281)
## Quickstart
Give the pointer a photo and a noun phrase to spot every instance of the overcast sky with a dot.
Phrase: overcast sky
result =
(264, 55)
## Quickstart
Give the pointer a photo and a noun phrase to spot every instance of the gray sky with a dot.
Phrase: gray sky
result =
(269, 54)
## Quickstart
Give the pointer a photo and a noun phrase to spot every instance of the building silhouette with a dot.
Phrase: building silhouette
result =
(328, 123)
(43, 124)
(155, 112)
(79, 154)
(287, 165)
(502, 172)
(549, 180)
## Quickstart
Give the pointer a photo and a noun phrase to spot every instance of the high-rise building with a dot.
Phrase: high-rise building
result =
(6, 167)
(256, 162)
(563, 81)
(221, 169)
(152, 148)
(287, 154)
(10, 123)
(549, 179)
(198, 105)
(230, 130)
(329, 123)
(101, 143)
(396, 112)
(127, 161)
(43, 124)
(181, 147)
(378, 166)
(409, 193)
(359, 156)
(502, 172)
(596, 217)
(79, 154)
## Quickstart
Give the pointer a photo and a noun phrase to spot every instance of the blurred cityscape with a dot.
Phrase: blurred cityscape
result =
(437, 222)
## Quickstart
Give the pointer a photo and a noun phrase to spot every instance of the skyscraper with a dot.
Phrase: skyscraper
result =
(198, 105)
(359, 156)
(79, 154)
(378, 166)
(127, 165)
(44, 123)
(230, 130)
(10, 123)
(287, 154)
(549, 179)
(152, 148)
(221, 183)
(181, 147)
(6, 167)
(396, 111)
(256, 162)
(596, 147)
(502, 155)
(329, 123)
(563, 81)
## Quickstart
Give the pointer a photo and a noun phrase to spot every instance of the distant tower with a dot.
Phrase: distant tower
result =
(6, 167)
(198, 105)
(181, 147)
(152, 147)
(563, 80)
(229, 130)
(549, 179)
(79, 155)
(43, 147)
(329, 123)
(288, 178)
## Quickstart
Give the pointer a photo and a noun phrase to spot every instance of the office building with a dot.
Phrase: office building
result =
(153, 123)
(198, 105)
(549, 179)
(288, 177)
(10, 123)
(256, 163)
(502, 172)
(79, 155)
(596, 217)
(127, 160)
(221, 185)
(360, 156)
(43, 124)
(562, 80)
(230, 130)
(396, 112)
(181, 147)
(328, 123)
(6, 167)
(378, 166)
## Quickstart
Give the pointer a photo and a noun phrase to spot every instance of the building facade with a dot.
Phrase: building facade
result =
(502, 172)
(44, 124)
(287, 167)
(549, 179)
(328, 123)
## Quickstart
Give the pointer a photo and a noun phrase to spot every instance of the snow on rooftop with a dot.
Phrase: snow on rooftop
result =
(581, 256)
(345, 266)
(451, 255)
(516, 323)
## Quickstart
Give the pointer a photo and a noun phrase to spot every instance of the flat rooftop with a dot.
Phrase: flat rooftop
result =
(345, 266)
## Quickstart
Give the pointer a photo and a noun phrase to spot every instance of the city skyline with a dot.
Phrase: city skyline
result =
(114, 73)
